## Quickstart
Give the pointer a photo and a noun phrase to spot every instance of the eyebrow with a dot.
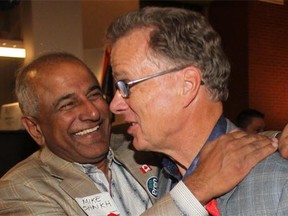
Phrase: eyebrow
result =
(65, 97)
(94, 87)
(68, 96)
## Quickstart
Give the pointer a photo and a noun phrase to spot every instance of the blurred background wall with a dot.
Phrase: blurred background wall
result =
(254, 35)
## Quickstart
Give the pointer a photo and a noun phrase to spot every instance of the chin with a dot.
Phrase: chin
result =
(139, 146)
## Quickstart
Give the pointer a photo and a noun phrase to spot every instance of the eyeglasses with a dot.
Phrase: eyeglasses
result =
(124, 87)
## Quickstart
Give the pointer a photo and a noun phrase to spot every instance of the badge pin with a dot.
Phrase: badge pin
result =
(145, 168)
(152, 186)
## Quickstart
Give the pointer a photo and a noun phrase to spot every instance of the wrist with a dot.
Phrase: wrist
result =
(199, 188)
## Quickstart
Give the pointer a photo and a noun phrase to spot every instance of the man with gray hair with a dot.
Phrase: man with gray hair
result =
(171, 77)
(80, 170)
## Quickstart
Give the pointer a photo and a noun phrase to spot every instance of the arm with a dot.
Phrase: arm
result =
(226, 161)
(18, 200)
(163, 207)
(224, 167)
(179, 197)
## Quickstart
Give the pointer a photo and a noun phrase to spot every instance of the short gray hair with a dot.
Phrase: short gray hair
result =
(183, 37)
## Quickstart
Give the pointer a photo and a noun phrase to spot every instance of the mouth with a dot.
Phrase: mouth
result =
(87, 131)
(131, 129)
(131, 123)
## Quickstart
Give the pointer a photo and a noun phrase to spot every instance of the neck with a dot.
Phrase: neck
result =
(103, 166)
(194, 133)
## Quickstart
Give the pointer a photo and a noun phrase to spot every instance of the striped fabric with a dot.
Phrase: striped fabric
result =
(129, 196)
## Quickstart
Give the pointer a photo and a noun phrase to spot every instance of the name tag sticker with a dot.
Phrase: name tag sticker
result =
(98, 204)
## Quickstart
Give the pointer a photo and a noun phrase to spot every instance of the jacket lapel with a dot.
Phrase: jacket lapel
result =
(72, 180)
(142, 165)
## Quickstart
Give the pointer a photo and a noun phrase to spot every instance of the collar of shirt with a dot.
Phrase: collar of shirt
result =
(171, 168)
(86, 168)
(119, 186)
(97, 175)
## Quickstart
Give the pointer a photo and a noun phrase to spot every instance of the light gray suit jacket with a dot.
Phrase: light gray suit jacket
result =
(264, 192)
(45, 184)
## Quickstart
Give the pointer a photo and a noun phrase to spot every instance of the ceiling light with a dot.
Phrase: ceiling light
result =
(11, 48)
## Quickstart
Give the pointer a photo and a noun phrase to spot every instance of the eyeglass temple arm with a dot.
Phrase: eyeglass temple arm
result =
(155, 75)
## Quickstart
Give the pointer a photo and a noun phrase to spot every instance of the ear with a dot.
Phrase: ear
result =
(192, 83)
(33, 128)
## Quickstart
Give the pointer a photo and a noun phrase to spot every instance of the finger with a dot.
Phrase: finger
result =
(228, 143)
(258, 141)
(252, 143)
(256, 152)
(236, 133)
(255, 139)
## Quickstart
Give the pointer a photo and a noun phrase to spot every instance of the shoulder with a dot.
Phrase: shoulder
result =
(260, 191)
(27, 177)
(26, 169)
(274, 166)
(30, 188)
(271, 172)
(41, 168)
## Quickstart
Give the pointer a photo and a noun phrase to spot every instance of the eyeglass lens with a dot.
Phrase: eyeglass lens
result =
(123, 88)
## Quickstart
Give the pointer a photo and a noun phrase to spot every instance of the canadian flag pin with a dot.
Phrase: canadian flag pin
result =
(145, 168)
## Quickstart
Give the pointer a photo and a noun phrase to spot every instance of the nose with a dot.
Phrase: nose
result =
(118, 104)
(89, 111)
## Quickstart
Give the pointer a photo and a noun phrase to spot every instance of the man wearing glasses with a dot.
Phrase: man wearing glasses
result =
(80, 170)
(178, 110)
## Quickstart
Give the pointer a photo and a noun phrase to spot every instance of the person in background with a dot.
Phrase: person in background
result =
(251, 121)
(81, 170)
(172, 76)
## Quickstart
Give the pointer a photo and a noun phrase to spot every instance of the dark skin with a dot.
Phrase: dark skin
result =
(71, 101)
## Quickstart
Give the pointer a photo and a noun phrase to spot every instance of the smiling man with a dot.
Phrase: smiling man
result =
(80, 170)
(75, 172)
